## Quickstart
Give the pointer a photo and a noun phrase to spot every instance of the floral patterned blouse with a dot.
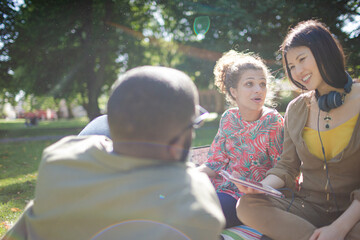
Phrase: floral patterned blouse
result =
(250, 148)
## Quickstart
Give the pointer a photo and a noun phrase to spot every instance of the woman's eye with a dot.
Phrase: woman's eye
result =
(249, 84)
(302, 59)
(263, 85)
(291, 68)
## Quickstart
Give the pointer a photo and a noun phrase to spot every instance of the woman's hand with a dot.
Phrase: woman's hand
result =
(203, 168)
(242, 188)
(271, 180)
(246, 190)
(341, 226)
(328, 233)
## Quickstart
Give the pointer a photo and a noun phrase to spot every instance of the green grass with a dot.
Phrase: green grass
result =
(205, 134)
(19, 161)
(17, 128)
(18, 166)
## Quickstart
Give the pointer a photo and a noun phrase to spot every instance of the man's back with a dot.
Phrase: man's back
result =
(97, 188)
(83, 192)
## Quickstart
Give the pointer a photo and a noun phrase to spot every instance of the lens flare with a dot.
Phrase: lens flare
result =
(140, 229)
(201, 26)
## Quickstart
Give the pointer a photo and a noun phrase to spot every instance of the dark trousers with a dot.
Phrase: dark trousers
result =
(228, 205)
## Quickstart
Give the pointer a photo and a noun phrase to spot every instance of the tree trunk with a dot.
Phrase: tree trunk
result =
(93, 109)
(68, 104)
(101, 57)
(93, 87)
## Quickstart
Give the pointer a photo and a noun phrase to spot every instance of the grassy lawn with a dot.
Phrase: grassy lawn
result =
(18, 168)
(19, 161)
(17, 128)
(205, 134)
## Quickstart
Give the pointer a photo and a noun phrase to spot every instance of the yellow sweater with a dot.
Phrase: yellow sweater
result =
(334, 140)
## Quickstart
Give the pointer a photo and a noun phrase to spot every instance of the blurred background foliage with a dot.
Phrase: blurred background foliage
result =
(75, 50)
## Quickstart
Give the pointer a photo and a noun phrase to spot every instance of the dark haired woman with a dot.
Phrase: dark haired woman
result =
(321, 141)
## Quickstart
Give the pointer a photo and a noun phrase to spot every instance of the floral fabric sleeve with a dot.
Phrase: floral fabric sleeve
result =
(276, 138)
(217, 156)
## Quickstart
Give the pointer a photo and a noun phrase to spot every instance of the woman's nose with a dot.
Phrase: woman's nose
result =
(297, 71)
(258, 88)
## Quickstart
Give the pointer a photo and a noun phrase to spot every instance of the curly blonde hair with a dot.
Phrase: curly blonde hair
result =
(230, 67)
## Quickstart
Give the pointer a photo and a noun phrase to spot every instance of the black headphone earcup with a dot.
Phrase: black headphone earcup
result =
(334, 100)
(322, 102)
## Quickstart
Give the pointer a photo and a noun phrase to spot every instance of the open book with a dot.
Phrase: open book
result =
(252, 184)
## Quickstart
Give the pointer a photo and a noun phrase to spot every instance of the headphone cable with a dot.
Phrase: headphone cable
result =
(325, 162)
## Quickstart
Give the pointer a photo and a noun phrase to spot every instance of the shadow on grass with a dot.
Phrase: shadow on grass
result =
(31, 132)
(20, 192)
(19, 159)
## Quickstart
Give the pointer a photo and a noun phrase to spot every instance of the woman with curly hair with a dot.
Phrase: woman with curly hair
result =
(250, 135)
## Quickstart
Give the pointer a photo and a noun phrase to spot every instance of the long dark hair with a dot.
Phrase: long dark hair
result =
(327, 51)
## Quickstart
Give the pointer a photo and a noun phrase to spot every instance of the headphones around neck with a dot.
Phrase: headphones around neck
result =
(333, 99)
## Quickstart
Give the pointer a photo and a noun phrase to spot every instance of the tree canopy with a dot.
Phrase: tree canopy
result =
(7, 36)
(76, 49)
(256, 26)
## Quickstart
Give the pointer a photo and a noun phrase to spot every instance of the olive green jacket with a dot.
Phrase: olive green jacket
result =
(86, 192)
(343, 169)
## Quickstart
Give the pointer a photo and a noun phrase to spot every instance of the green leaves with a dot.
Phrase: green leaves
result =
(69, 48)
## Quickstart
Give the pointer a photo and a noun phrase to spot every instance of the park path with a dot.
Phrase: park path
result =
(35, 138)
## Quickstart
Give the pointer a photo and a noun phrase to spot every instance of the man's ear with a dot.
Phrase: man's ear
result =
(177, 148)
(173, 151)
(233, 92)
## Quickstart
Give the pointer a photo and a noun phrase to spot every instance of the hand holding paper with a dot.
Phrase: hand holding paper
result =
(242, 188)
(250, 187)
